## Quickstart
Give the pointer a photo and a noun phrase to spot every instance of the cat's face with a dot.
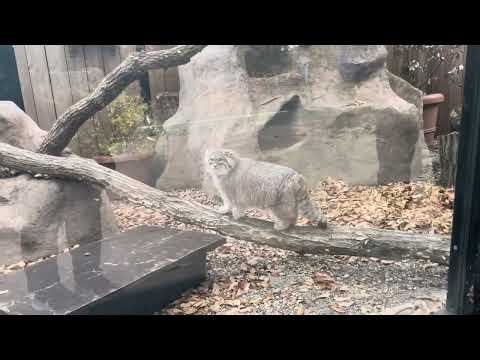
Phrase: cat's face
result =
(221, 162)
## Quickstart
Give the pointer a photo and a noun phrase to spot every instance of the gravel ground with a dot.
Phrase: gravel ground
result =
(245, 278)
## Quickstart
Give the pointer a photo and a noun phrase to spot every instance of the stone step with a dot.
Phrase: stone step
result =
(136, 272)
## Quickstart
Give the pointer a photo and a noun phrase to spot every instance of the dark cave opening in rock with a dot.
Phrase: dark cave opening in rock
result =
(283, 129)
(266, 60)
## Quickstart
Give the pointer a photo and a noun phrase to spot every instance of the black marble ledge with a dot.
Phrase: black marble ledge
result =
(136, 272)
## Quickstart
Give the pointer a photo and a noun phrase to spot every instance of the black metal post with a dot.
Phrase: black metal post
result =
(464, 273)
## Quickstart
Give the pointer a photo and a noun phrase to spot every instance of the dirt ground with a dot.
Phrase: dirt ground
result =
(245, 278)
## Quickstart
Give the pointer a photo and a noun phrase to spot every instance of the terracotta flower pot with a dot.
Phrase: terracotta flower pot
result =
(137, 166)
(431, 104)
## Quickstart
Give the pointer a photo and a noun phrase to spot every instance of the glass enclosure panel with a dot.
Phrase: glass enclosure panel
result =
(345, 156)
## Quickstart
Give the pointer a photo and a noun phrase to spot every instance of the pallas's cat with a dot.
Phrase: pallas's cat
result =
(244, 183)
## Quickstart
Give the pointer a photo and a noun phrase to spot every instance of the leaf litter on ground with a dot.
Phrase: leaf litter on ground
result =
(246, 278)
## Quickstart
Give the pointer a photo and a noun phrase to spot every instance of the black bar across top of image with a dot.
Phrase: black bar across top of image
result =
(136, 272)
(464, 272)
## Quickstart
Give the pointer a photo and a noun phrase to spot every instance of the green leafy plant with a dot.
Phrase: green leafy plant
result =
(131, 126)
(126, 114)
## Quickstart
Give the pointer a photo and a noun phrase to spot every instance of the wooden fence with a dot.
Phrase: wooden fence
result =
(53, 77)
(397, 63)
(164, 88)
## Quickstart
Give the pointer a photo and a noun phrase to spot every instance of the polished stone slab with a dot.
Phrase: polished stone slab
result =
(136, 272)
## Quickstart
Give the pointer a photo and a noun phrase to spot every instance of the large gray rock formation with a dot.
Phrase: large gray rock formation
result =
(40, 217)
(322, 110)
(17, 128)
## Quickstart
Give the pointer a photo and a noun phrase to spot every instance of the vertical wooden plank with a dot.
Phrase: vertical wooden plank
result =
(422, 79)
(156, 77)
(42, 90)
(124, 50)
(161, 81)
(95, 74)
(172, 81)
(80, 89)
(111, 57)
(57, 65)
(25, 82)
(460, 87)
(94, 65)
(143, 80)
(452, 91)
(440, 84)
(455, 92)
(60, 82)
(76, 71)
(392, 59)
(448, 148)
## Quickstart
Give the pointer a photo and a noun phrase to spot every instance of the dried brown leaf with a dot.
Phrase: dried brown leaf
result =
(337, 308)
(190, 311)
(324, 281)
(230, 312)
(244, 267)
(245, 310)
(244, 285)
(236, 302)
(300, 310)
(215, 289)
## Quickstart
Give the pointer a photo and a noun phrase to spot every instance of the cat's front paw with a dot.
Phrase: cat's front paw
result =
(322, 222)
(280, 226)
(238, 214)
(224, 210)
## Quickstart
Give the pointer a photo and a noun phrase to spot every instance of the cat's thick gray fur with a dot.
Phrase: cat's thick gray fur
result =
(244, 183)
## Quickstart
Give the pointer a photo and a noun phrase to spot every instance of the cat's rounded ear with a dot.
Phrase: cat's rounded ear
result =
(231, 158)
(231, 154)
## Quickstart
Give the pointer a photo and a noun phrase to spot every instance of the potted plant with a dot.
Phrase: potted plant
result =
(431, 104)
(130, 147)
(425, 62)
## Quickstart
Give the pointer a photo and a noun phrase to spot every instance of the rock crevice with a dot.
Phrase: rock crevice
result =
(326, 111)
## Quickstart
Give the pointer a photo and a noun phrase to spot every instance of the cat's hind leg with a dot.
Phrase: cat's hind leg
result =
(310, 211)
(238, 213)
(226, 208)
(285, 214)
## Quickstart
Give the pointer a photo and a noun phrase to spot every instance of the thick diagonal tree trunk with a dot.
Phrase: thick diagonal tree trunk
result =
(109, 88)
(306, 239)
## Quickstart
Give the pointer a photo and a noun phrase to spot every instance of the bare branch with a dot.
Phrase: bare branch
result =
(305, 239)
(109, 88)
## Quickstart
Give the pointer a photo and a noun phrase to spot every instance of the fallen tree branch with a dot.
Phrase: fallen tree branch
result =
(109, 88)
(387, 244)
